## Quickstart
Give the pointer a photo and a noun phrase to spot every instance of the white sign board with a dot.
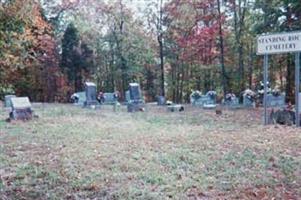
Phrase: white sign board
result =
(279, 43)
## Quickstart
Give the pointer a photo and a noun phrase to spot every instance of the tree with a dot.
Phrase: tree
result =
(156, 16)
(29, 60)
(279, 16)
(77, 57)
(193, 33)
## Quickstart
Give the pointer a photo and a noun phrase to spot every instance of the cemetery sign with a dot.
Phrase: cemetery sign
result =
(279, 43)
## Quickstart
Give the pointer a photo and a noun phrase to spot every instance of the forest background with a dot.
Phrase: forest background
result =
(48, 49)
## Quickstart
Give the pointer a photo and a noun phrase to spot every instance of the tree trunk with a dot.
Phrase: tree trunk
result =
(160, 41)
(251, 66)
(289, 81)
(222, 54)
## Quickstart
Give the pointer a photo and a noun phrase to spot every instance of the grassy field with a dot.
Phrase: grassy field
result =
(75, 153)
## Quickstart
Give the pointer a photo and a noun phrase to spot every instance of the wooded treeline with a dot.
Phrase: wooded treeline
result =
(48, 49)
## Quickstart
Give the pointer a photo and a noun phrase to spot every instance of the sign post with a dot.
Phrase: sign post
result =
(265, 79)
(297, 89)
(276, 44)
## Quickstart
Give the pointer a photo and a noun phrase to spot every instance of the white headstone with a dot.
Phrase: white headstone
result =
(21, 109)
(20, 102)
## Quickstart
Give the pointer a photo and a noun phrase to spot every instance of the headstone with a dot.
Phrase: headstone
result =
(231, 100)
(195, 98)
(79, 98)
(135, 102)
(7, 100)
(90, 89)
(249, 98)
(210, 101)
(205, 101)
(275, 101)
(175, 108)
(248, 101)
(21, 108)
(109, 98)
(161, 100)
(127, 96)
(135, 92)
(283, 117)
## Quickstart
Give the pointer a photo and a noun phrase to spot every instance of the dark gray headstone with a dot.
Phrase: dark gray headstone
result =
(135, 92)
(7, 100)
(284, 117)
(135, 102)
(90, 89)
(21, 108)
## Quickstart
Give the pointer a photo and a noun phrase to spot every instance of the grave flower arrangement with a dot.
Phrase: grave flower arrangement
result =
(211, 94)
(276, 92)
(230, 97)
(196, 94)
(249, 94)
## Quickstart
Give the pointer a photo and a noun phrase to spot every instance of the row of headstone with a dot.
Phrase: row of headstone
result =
(249, 99)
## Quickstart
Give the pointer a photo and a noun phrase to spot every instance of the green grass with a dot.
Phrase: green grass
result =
(75, 153)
